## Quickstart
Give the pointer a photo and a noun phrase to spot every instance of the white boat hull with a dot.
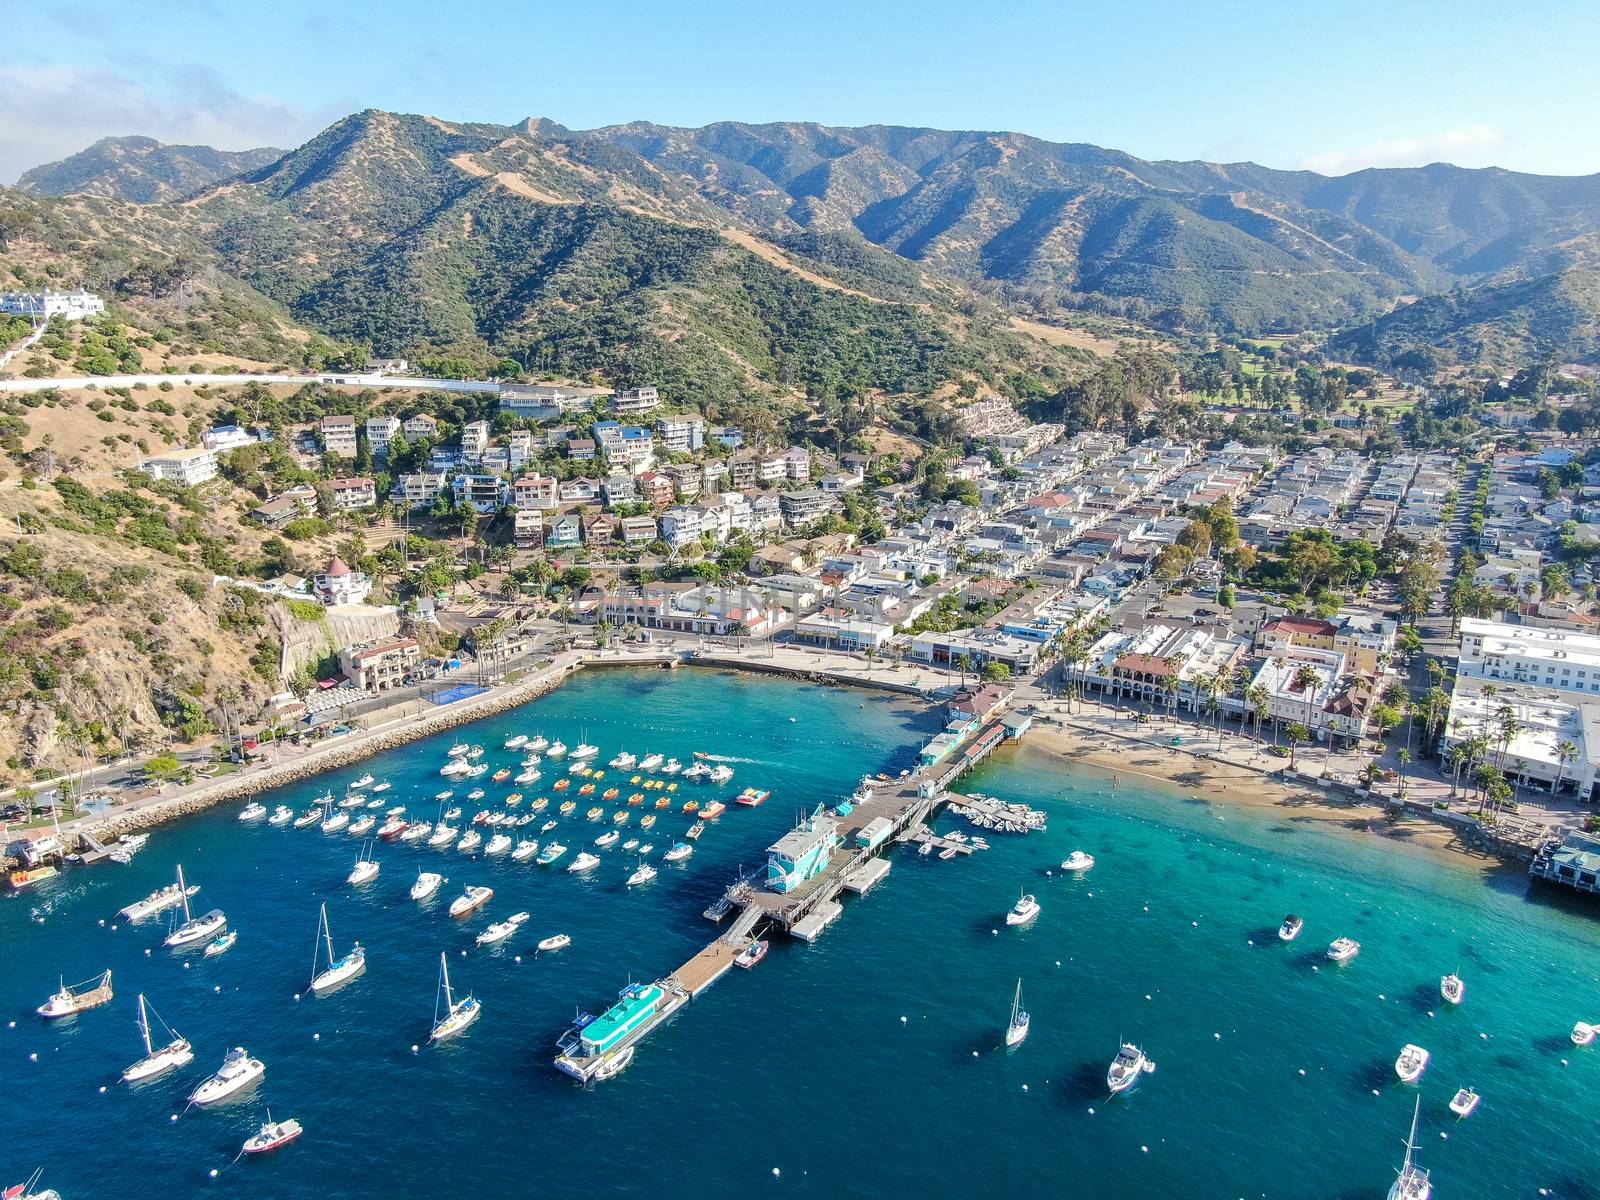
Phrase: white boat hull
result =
(159, 1063)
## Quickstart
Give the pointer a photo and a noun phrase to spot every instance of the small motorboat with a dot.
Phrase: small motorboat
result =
(664, 802)
(678, 853)
(1464, 1102)
(470, 900)
(1452, 988)
(1290, 929)
(621, 817)
(584, 862)
(382, 787)
(644, 873)
(501, 930)
(365, 871)
(441, 797)
(624, 761)
(537, 743)
(517, 742)
(500, 776)
(551, 852)
(253, 811)
(362, 825)
(220, 944)
(1127, 1068)
(609, 838)
(695, 831)
(710, 812)
(238, 1071)
(1583, 1033)
(555, 749)
(335, 821)
(647, 820)
(753, 953)
(1342, 950)
(567, 806)
(558, 942)
(470, 841)
(721, 773)
(281, 815)
(1413, 1061)
(498, 844)
(631, 844)
(525, 850)
(584, 750)
(650, 762)
(451, 814)
(1024, 910)
(1078, 861)
(442, 836)
(615, 1064)
(609, 794)
(272, 1135)
(310, 817)
(595, 813)
(426, 885)
(646, 848)
(392, 828)
(561, 785)
(364, 781)
(476, 793)
(355, 801)
(415, 833)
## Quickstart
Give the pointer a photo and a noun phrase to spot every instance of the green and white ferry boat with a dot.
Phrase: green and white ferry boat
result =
(600, 1047)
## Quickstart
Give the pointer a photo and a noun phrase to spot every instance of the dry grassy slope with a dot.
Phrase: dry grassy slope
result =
(121, 657)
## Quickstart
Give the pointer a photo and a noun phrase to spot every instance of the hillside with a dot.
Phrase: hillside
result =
(142, 169)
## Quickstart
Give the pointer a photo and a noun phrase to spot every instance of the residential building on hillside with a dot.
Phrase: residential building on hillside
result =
(536, 492)
(41, 306)
(527, 530)
(681, 525)
(289, 505)
(474, 440)
(638, 531)
(484, 492)
(339, 583)
(545, 402)
(636, 401)
(353, 492)
(380, 665)
(729, 436)
(805, 505)
(223, 438)
(380, 432)
(683, 433)
(188, 468)
(418, 490)
(581, 490)
(423, 425)
(339, 436)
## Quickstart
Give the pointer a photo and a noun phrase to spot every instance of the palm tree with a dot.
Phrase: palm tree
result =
(1259, 700)
(1297, 735)
(1403, 757)
(1565, 752)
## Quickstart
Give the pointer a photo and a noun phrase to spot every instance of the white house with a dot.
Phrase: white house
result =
(339, 436)
(380, 432)
(186, 467)
(41, 306)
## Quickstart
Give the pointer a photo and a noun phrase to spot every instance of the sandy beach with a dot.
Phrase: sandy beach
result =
(1187, 774)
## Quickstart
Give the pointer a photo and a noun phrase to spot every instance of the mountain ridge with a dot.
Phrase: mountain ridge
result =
(142, 170)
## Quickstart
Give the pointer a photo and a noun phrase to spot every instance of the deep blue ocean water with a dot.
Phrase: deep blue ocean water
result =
(863, 1065)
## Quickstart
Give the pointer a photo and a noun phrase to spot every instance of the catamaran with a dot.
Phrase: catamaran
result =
(1017, 1028)
(237, 1072)
(158, 901)
(1411, 1183)
(426, 885)
(70, 1001)
(458, 1014)
(338, 971)
(195, 929)
(1125, 1070)
(176, 1053)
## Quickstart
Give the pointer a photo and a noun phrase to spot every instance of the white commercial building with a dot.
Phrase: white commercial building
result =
(41, 306)
(1552, 658)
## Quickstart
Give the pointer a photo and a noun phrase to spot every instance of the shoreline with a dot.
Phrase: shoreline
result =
(1187, 776)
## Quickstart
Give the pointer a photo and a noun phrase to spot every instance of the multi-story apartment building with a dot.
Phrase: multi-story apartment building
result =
(188, 468)
(339, 436)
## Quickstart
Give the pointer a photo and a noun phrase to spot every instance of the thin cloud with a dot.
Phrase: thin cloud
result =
(1465, 145)
(48, 112)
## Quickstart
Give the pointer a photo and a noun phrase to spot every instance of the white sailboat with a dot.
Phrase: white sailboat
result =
(1411, 1183)
(195, 929)
(176, 1053)
(338, 971)
(1017, 1029)
(457, 1014)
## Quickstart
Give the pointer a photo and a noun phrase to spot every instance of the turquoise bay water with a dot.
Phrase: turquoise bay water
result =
(805, 1064)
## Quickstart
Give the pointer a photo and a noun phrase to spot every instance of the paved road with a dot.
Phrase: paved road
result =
(363, 381)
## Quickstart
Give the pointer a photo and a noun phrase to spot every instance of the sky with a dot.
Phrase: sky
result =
(1329, 87)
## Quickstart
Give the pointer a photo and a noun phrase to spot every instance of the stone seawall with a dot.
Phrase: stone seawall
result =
(811, 675)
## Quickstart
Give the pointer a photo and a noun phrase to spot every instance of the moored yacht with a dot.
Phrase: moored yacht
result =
(721, 773)
(362, 825)
(426, 885)
(1290, 929)
(392, 828)
(643, 873)
(70, 1001)
(710, 812)
(753, 953)
(517, 742)
(364, 781)
(470, 900)
(339, 970)
(1342, 950)
(584, 862)
(1411, 1063)
(1024, 910)
(1452, 988)
(459, 750)
(366, 868)
(696, 771)
(559, 941)
(310, 817)
(679, 852)
(1078, 861)
(253, 811)
(1464, 1102)
(1017, 1028)
(194, 929)
(157, 1061)
(416, 831)
(609, 838)
(237, 1072)
(550, 853)
(537, 743)
(272, 1135)
(1583, 1033)
(470, 841)
(555, 750)
(501, 930)
(584, 750)
(335, 821)
(651, 761)
(498, 844)
(525, 850)
(442, 835)
(281, 815)
(454, 1015)
(1127, 1068)
(624, 761)
(1411, 1183)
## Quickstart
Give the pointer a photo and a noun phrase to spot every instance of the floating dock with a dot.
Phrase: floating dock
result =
(809, 927)
(865, 877)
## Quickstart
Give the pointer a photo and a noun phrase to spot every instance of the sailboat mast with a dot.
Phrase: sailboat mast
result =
(444, 966)
(183, 891)
(144, 1027)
